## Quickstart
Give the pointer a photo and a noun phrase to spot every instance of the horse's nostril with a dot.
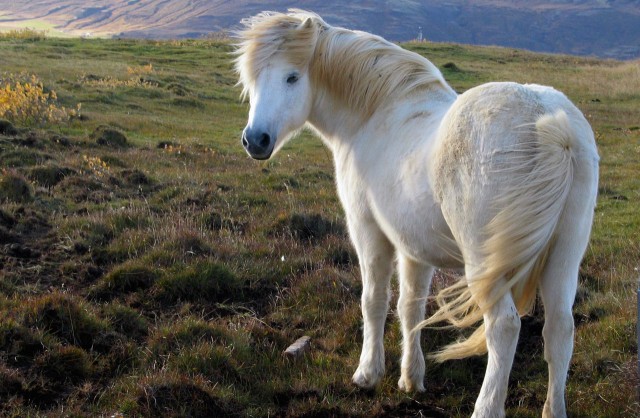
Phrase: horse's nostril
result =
(265, 140)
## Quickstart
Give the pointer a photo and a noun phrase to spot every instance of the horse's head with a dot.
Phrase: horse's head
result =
(273, 65)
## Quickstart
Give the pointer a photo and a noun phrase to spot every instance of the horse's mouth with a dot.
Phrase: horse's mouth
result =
(259, 154)
(261, 157)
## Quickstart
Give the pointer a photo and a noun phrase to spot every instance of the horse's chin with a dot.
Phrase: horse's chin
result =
(261, 157)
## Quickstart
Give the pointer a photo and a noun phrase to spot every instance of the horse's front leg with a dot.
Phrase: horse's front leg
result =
(375, 254)
(415, 280)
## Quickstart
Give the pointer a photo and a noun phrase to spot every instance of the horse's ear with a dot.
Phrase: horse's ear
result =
(306, 24)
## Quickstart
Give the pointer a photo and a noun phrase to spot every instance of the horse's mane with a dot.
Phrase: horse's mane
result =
(357, 68)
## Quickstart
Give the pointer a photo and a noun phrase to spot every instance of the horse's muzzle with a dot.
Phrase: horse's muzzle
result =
(258, 145)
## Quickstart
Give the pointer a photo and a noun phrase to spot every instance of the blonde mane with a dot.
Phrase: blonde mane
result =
(359, 69)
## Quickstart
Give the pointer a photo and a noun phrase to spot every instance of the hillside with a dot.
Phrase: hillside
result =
(604, 28)
(149, 267)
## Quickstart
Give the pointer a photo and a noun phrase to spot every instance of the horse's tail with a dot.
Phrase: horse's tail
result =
(519, 237)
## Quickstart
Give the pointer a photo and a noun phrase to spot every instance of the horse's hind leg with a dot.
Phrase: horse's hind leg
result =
(502, 327)
(415, 280)
(375, 254)
(558, 290)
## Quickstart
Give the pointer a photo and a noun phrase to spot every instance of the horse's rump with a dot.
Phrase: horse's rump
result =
(512, 187)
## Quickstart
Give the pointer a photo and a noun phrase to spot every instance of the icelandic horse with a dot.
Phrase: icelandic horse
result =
(500, 180)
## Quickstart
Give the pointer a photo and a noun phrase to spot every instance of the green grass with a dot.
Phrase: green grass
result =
(168, 275)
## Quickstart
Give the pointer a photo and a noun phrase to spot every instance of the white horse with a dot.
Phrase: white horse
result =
(500, 180)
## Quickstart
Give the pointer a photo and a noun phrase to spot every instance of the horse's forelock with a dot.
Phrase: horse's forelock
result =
(293, 35)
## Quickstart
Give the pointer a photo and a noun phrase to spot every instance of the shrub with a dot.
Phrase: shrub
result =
(135, 177)
(49, 176)
(26, 34)
(452, 67)
(24, 100)
(140, 70)
(110, 82)
(96, 166)
(7, 128)
(105, 135)
(14, 187)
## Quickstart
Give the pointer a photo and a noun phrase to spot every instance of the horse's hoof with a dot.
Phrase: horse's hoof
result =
(406, 385)
(364, 382)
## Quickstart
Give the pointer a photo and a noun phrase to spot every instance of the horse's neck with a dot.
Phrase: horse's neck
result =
(338, 125)
(332, 120)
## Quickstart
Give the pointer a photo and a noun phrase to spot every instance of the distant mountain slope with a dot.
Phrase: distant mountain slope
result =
(605, 28)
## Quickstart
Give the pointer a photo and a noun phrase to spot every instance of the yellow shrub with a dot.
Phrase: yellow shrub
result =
(29, 34)
(96, 166)
(112, 82)
(23, 100)
(140, 70)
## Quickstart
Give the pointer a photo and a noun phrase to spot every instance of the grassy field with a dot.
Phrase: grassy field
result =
(165, 275)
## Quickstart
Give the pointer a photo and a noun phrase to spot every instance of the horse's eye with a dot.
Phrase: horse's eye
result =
(292, 78)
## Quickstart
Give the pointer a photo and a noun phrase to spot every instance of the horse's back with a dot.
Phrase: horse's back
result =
(485, 141)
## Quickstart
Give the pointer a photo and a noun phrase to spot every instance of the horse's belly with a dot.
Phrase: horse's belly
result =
(424, 237)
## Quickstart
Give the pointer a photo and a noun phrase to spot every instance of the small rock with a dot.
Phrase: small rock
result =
(298, 348)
